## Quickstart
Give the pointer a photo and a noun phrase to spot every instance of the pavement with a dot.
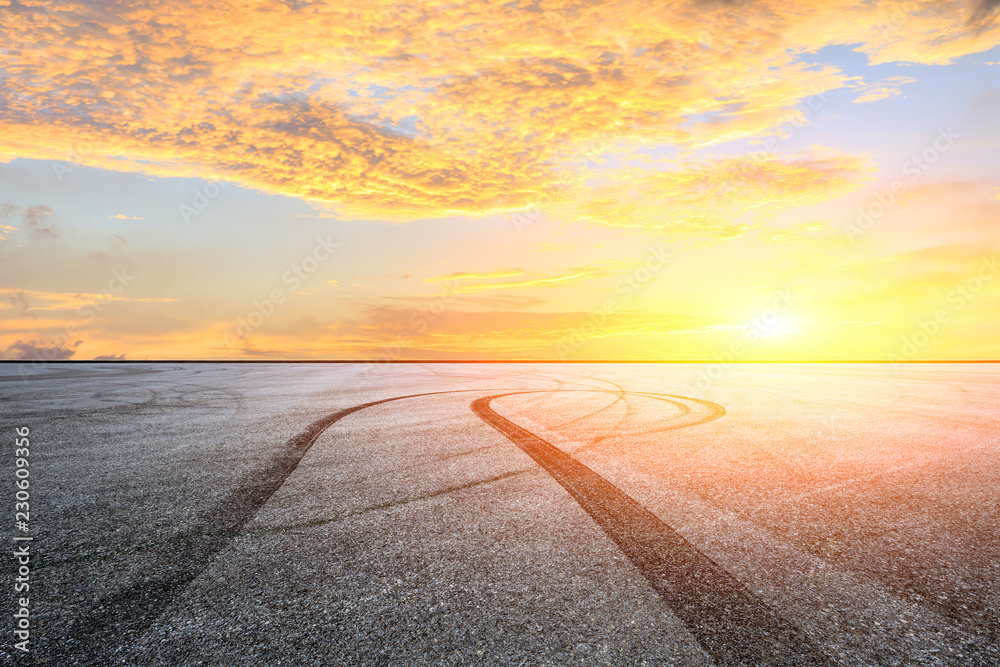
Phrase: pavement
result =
(388, 514)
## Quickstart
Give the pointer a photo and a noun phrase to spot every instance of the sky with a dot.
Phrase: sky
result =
(552, 180)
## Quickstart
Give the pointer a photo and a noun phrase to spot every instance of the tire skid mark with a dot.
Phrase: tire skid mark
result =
(322, 521)
(618, 399)
(621, 396)
(131, 611)
(731, 623)
(685, 410)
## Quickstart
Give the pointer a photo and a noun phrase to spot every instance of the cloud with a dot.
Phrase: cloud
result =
(7, 210)
(25, 351)
(888, 89)
(493, 279)
(506, 302)
(984, 11)
(722, 198)
(536, 282)
(793, 233)
(35, 218)
(405, 332)
(499, 273)
(396, 110)
(877, 94)
(122, 216)
(19, 300)
(60, 301)
(109, 357)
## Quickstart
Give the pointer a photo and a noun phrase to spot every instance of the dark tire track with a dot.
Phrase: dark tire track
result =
(128, 613)
(732, 624)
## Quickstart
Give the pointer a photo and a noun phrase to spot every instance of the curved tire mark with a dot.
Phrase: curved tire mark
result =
(124, 616)
(732, 624)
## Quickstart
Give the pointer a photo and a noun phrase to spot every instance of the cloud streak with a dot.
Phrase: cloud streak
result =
(30, 351)
(65, 301)
(722, 198)
(493, 280)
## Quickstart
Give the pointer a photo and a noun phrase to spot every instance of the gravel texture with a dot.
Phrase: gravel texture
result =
(318, 514)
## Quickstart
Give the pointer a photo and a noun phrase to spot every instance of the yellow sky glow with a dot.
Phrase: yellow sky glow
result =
(771, 148)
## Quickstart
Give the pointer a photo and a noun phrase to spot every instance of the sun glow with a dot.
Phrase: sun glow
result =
(782, 327)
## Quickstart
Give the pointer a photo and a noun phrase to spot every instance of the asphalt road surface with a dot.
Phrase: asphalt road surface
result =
(396, 514)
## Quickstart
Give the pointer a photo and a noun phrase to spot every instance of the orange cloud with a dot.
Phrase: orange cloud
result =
(494, 334)
(398, 110)
(500, 273)
(884, 90)
(528, 280)
(794, 233)
(724, 198)
(57, 301)
(538, 282)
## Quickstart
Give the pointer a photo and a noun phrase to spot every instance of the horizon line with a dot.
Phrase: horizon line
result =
(499, 361)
